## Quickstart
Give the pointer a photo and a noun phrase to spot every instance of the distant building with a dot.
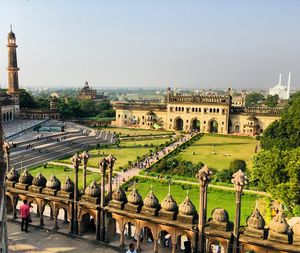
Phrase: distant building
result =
(89, 94)
(203, 113)
(282, 91)
(10, 106)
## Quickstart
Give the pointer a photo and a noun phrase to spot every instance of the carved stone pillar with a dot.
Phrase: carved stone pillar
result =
(76, 161)
(122, 238)
(173, 247)
(203, 178)
(239, 181)
(85, 158)
(102, 166)
(155, 247)
(111, 161)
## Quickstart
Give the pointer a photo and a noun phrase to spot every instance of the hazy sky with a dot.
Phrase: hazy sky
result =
(152, 43)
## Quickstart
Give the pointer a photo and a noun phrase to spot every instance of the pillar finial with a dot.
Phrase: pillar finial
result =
(11, 27)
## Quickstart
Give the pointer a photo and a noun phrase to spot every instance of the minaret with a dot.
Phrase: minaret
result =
(289, 86)
(279, 81)
(13, 80)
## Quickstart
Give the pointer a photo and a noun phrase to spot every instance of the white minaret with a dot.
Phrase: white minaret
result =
(289, 85)
(279, 81)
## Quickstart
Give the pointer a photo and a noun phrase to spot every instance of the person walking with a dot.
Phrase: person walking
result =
(131, 248)
(25, 214)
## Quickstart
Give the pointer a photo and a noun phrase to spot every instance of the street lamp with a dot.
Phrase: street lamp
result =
(76, 161)
(85, 158)
(239, 180)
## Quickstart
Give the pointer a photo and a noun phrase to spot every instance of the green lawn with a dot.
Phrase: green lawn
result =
(216, 198)
(61, 172)
(135, 131)
(226, 149)
(128, 151)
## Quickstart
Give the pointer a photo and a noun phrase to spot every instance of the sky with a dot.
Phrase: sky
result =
(153, 43)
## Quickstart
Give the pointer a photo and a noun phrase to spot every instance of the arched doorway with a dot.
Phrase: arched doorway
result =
(178, 124)
(195, 125)
(213, 126)
(237, 128)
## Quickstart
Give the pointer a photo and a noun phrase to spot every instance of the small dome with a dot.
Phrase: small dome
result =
(11, 35)
(13, 175)
(25, 178)
(187, 207)
(134, 197)
(296, 229)
(220, 215)
(169, 204)
(53, 183)
(278, 224)
(39, 180)
(68, 185)
(151, 113)
(93, 189)
(255, 220)
(151, 200)
(119, 194)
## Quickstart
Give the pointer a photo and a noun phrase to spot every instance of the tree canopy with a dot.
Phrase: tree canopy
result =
(285, 133)
(254, 98)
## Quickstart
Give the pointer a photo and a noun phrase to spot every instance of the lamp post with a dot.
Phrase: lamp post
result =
(6, 148)
(203, 179)
(85, 158)
(111, 161)
(102, 166)
(76, 161)
(239, 181)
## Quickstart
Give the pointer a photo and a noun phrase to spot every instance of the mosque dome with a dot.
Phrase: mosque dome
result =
(220, 215)
(93, 189)
(26, 177)
(53, 183)
(187, 207)
(134, 197)
(255, 220)
(151, 200)
(68, 185)
(119, 194)
(39, 180)
(169, 204)
(13, 175)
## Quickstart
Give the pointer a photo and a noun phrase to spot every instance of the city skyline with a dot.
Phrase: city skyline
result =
(129, 44)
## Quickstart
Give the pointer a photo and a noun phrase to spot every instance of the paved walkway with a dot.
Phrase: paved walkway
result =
(38, 240)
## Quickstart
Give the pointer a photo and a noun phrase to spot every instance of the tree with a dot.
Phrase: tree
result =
(285, 133)
(237, 164)
(254, 98)
(26, 100)
(278, 172)
(272, 101)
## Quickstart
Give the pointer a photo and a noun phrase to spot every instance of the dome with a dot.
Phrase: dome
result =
(39, 180)
(187, 207)
(25, 178)
(169, 204)
(68, 185)
(11, 35)
(278, 224)
(134, 197)
(53, 183)
(296, 229)
(151, 200)
(151, 113)
(93, 189)
(13, 175)
(255, 220)
(119, 194)
(220, 215)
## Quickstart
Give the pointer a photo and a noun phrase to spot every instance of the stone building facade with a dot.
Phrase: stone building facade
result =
(204, 113)
(117, 218)
(87, 93)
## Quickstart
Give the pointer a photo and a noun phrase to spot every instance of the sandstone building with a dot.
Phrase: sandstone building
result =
(88, 93)
(204, 113)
